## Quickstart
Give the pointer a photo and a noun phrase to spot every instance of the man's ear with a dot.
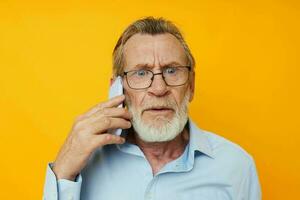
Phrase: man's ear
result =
(111, 81)
(192, 86)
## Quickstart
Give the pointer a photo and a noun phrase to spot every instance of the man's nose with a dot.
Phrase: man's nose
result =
(158, 86)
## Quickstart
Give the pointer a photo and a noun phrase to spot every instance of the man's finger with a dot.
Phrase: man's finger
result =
(106, 138)
(103, 124)
(113, 102)
(113, 112)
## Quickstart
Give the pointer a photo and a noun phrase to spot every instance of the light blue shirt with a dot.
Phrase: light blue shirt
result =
(211, 168)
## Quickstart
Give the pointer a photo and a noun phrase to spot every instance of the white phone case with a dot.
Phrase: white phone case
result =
(116, 89)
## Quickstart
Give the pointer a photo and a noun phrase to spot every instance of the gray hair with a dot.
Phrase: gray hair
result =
(152, 26)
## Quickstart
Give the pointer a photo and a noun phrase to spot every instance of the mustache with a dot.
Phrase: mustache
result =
(162, 104)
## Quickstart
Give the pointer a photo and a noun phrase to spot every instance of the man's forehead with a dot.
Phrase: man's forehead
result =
(152, 50)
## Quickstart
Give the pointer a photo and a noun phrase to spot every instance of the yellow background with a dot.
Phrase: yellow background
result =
(55, 59)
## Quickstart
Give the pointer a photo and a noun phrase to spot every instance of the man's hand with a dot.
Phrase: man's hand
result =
(88, 133)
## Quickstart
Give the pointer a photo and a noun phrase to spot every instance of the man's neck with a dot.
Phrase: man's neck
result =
(160, 153)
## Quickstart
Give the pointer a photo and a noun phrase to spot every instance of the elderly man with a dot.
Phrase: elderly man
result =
(161, 153)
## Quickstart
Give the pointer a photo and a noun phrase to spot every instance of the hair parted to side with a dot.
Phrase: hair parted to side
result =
(152, 26)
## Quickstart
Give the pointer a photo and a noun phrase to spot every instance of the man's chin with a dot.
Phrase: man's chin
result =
(157, 121)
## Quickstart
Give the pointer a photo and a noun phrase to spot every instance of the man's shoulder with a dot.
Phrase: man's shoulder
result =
(223, 148)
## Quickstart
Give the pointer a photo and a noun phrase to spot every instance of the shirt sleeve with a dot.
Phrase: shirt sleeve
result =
(250, 187)
(61, 189)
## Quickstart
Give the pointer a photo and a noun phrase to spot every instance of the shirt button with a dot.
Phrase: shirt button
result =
(70, 197)
(149, 196)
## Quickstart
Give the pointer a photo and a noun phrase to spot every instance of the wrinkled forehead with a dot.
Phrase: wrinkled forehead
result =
(153, 50)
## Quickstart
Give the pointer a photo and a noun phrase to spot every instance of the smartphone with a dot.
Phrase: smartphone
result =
(116, 89)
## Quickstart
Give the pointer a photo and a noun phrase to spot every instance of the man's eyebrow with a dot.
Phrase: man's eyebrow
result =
(146, 65)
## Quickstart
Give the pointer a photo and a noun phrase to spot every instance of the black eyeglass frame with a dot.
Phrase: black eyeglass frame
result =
(153, 74)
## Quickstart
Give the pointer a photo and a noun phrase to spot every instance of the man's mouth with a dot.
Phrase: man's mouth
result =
(159, 109)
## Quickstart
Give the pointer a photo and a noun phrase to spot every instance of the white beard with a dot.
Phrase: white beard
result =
(161, 129)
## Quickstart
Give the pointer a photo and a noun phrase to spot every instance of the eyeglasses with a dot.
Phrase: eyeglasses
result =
(143, 78)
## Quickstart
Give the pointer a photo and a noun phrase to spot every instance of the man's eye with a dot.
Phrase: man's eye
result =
(141, 72)
(170, 70)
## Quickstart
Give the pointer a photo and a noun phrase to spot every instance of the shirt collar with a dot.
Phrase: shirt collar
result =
(198, 140)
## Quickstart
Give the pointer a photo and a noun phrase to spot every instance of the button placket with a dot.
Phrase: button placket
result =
(149, 193)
